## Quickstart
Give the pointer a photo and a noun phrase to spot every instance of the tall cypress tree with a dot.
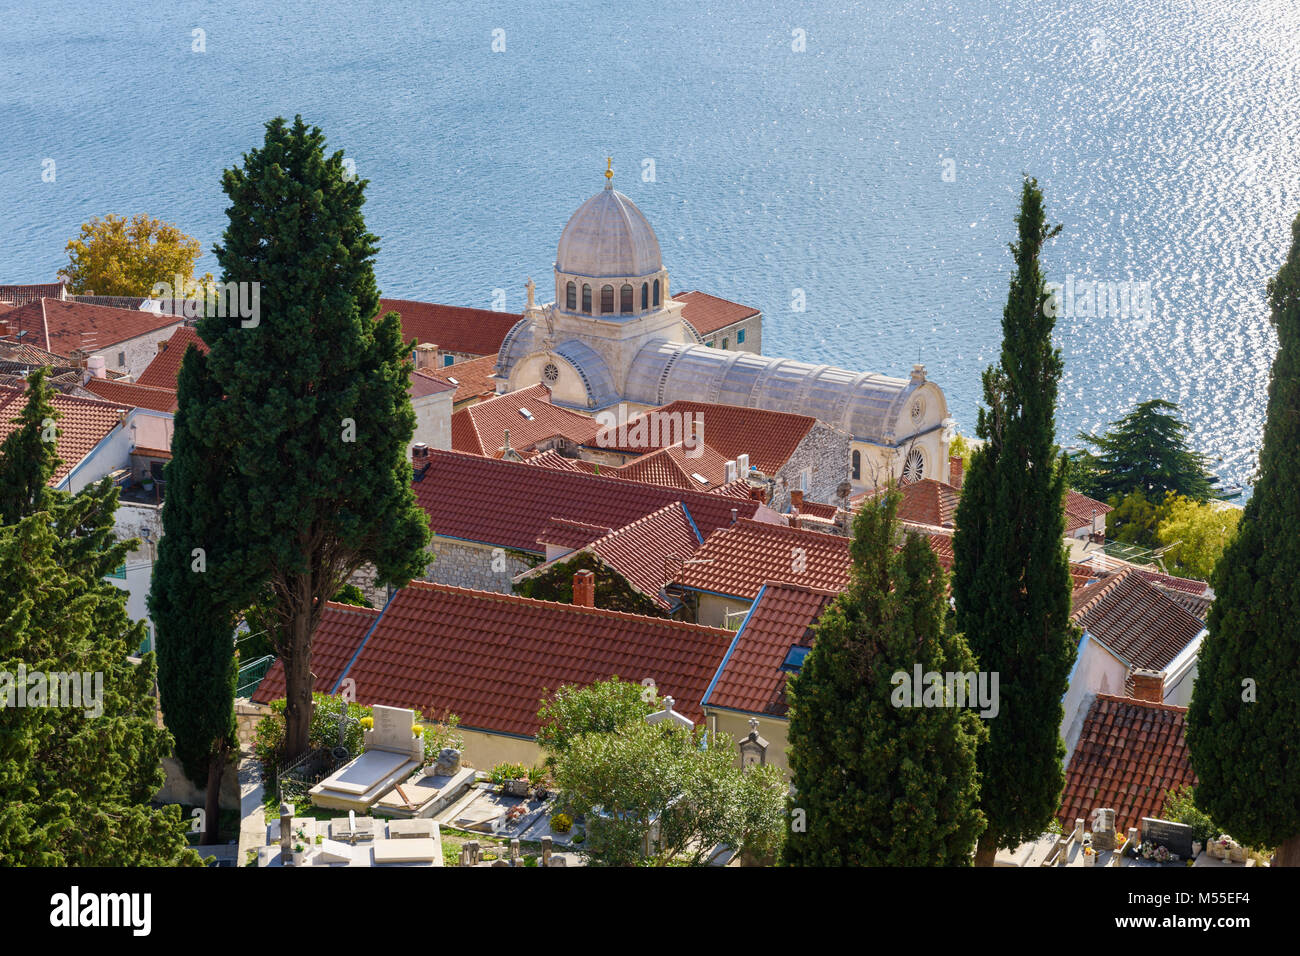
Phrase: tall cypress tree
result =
(880, 784)
(1011, 578)
(1245, 710)
(27, 458)
(304, 414)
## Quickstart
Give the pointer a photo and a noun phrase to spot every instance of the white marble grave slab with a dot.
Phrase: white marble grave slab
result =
(421, 850)
(366, 771)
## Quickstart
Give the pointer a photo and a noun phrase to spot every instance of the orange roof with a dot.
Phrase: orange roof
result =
(335, 640)
(490, 658)
(677, 467)
(927, 502)
(450, 327)
(509, 504)
(481, 429)
(553, 459)
(1129, 755)
(424, 382)
(769, 438)
(16, 295)
(1136, 620)
(709, 314)
(74, 326)
(83, 423)
(1080, 511)
(165, 367)
(563, 533)
(472, 378)
(133, 394)
(739, 559)
(751, 678)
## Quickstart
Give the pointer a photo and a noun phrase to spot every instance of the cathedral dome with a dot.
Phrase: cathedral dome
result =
(608, 237)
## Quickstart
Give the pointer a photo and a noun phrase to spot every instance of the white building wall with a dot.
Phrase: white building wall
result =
(1096, 671)
(432, 420)
(134, 355)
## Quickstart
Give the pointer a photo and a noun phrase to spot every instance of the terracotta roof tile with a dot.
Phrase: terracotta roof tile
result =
(708, 313)
(165, 367)
(1129, 755)
(1136, 620)
(563, 533)
(751, 678)
(508, 504)
(424, 382)
(17, 295)
(76, 326)
(1080, 511)
(490, 658)
(133, 394)
(452, 328)
(1174, 583)
(677, 467)
(927, 502)
(83, 423)
(472, 378)
(553, 459)
(480, 429)
(335, 640)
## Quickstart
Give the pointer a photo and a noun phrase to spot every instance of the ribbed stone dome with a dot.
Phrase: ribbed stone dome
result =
(608, 237)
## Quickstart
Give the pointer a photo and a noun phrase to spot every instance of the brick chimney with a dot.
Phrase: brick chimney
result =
(955, 471)
(584, 589)
(420, 450)
(796, 499)
(1149, 686)
(426, 355)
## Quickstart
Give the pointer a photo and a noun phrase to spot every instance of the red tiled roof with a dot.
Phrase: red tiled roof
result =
(649, 551)
(473, 378)
(738, 560)
(165, 367)
(143, 452)
(450, 327)
(16, 295)
(769, 438)
(674, 466)
(1174, 583)
(817, 509)
(1129, 755)
(709, 314)
(1080, 511)
(335, 640)
(133, 394)
(563, 533)
(553, 459)
(76, 325)
(928, 502)
(1136, 620)
(83, 424)
(480, 429)
(508, 503)
(490, 658)
(751, 679)
(424, 382)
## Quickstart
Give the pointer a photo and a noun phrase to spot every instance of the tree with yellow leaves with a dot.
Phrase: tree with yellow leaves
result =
(114, 256)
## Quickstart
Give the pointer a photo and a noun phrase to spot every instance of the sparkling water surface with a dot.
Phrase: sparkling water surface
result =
(877, 170)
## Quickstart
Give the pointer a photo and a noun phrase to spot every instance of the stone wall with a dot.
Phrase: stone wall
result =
(753, 328)
(474, 566)
(365, 577)
(825, 450)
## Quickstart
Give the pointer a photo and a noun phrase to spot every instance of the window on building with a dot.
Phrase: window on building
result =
(571, 297)
(656, 299)
(794, 658)
(645, 295)
(448, 360)
(586, 298)
(121, 359)
(606, 299)
(805, 480)
(626, 298)
(724, 343)
(740, 337)
(857, 466)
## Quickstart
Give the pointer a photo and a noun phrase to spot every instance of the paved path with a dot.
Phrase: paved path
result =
(252, 822)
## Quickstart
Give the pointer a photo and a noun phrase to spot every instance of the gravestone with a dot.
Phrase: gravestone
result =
(753, 748)
(514, 853)
(286, 834)
(471, 849)
(1176, 837)
(1103, 829)
(392, 730)
(516, 788)
(546, 850)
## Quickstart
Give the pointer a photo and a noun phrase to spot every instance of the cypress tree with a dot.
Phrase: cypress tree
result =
(27, 457)
(300, 414)
(881, 783)
(1245, 709)
(1011, 580)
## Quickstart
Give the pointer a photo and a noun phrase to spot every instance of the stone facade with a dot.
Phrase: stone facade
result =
(134, 355)
(477, 566)
(824, 451)
(728, 337)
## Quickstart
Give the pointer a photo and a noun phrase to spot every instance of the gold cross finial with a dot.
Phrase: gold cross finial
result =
(609, 167)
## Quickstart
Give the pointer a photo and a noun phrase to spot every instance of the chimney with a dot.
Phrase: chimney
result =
(95, 364)
(4, 328)
(742, 465)
(584, 589)
(426, 355)
(730, 472)
(735, 513)
(796, 499)
(1149, 686)
(420, 450)
(955, 471)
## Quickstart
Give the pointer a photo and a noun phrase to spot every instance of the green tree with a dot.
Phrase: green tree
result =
(1136, 520)
(27, 457)
(301, 412)
(1144, 451)
(1197, 533)
(115, 257)
(1245, 708)
(1011, 580)
(646, 778)
(878, 784)
(602, 707)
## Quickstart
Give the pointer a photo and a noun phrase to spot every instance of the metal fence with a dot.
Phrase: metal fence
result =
(251, 674)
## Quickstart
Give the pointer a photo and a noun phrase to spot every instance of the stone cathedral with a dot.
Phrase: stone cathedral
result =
(613, 339)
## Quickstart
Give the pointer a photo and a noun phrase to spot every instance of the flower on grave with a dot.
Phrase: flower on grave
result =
(368, 723)
(417, 730)
(561, 822)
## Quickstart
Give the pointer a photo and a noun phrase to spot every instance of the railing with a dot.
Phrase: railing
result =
(251, 674)
(298, 776)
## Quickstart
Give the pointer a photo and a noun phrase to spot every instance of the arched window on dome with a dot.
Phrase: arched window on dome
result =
(645, 296)
(606, 299)
(571, 297)
(626, 298)
(857, 465)
(586, 298)
(656, 293)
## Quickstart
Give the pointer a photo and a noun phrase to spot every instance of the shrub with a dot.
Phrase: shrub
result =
(561, 823)
(1180, 806)
(507, 771)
